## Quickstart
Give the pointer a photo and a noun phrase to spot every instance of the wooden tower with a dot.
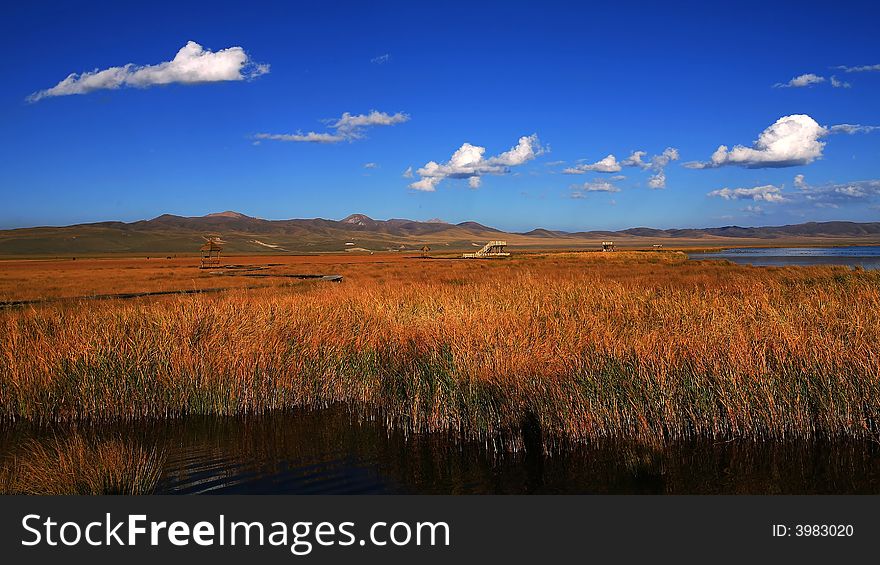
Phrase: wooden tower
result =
(211, 251)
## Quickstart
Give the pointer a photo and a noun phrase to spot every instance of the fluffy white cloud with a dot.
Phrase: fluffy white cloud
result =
(607, 165)
(801, 81)
(766, 193)
(837, 83)
(349, 127)
(791, 140)
(408, 173)
(660, 161)
(657, 181)
(636, 160)
(193, 64)
(371, 166)
(610, 164)
(468, 162)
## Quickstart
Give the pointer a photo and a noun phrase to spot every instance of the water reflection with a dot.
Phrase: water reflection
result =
(867, 257)
(335, 451)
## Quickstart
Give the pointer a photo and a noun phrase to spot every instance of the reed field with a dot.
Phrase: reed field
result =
(572, 347)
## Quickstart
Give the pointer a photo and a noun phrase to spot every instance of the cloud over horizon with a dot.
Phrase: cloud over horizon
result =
(349, 127)
(765, 193)
(468, 163)
(790, 141)
(610, 164)
(597, 185)
(832, 194)
(193, 64)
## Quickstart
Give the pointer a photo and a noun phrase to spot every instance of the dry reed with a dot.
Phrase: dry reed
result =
(585, 346)
(78, 465)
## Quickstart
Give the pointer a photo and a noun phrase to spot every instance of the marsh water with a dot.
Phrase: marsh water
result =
(867, 256)
(333, 451)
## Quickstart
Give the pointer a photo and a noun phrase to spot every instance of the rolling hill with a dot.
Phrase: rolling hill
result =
(242, 234)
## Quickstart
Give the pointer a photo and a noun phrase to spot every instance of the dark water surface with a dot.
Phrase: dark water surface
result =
(332, 451)
(867, 257)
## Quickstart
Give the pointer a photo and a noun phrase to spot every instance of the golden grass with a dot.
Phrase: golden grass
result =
(78, 465)
(584, 345)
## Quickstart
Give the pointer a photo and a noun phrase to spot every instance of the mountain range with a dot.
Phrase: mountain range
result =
(244, 234)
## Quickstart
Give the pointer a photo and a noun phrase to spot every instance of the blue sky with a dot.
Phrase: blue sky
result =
(586, 81)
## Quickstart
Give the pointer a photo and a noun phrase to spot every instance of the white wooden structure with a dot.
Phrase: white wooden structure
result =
(491, 249)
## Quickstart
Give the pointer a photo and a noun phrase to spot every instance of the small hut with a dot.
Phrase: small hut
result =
(425, 250)
(607, 246)
(211, 251)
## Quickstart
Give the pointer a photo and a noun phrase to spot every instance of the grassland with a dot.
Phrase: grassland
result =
(579, 346)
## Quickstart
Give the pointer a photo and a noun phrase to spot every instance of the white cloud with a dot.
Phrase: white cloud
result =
(468, 162)
(766, 193)
(347, 128)
(193, 64)
(801, 81)
(408, 173)
(837, 83)
(754, 210)
(310, 137)
(597, 185)
(381, 59)
(607, 165)
(657, 181)
(832, 194)
(660, 161)
(852, 128)
(352, 126)
(371, 166)
(636, 160)
(610, 164)
(860, 69)
(791, 140)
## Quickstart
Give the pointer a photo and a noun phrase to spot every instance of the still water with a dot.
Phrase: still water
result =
(867, 257)
(333, 451)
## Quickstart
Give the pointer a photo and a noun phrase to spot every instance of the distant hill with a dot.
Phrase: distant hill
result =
(170, 234)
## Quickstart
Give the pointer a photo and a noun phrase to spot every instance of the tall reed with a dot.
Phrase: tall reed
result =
(642, 346)
(75, 464)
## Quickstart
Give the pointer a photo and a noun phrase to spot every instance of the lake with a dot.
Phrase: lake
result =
(867, 257)
(334, 451)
